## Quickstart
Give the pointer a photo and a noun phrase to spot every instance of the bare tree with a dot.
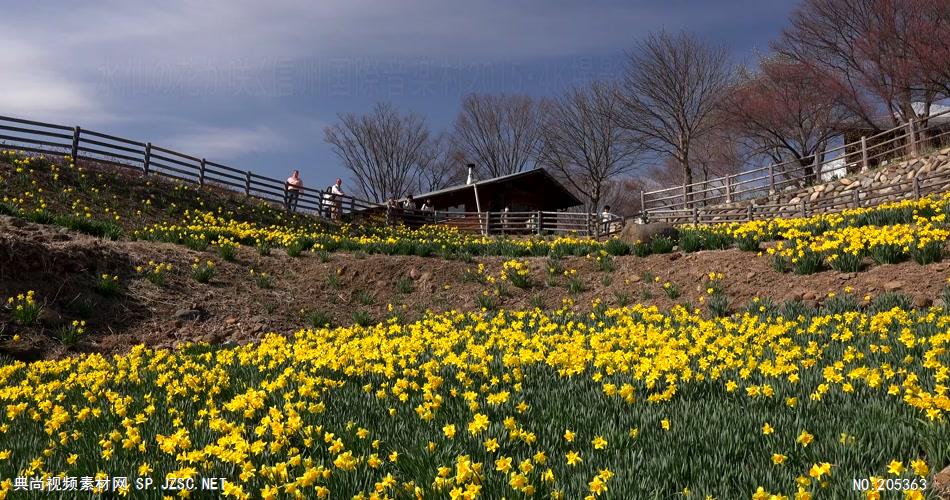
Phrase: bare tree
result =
(383, 149)
(869, 45)
(931, 43)
(669, 94)
(623, 196)
(498, 133)
(583, 142)
(446, 169)
(780, 111)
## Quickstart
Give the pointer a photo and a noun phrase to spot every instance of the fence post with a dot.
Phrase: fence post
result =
(857, 199)
(539, 223)
(728, 189)
(148, 158)
(912, 137)
(75, 146)
(247, 183)
(771, 178)
(916, 188)
(695, 216)
(201, 173)
(864, 153)
(804, 207)
(485, 223)
(750, 212)
(643, 206)
(685, 196)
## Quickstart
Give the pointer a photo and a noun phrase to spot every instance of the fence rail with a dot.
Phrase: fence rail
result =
(150, 159)
(901, 142)
(903, 189)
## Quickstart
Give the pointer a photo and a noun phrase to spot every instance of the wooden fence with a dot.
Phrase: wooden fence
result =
(902, 142)
(856, 197)
(513, 223)
(150, 159)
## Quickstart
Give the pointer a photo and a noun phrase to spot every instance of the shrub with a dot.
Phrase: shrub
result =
(793, 309)
(24, 308)
(43, 217)
(691, 240)
(319, 319)
(72, 332)
(840, 304)
(575, 285)
(404, 285)
(362, 318)
(641, 249)
(928, 252)
(537, 301)
(889, 300)
(845, 262)
(716, 240)
(263, 280)
(517, 273)
(780, 263)
(99, 229)
(263, 248)
(661, 245)
(295, 248)
(202, 272)
(761, 307)
(197, 242)
(718, 305)
(809, 262)
(605, 263)
(155, 273)
(486, 301)
(226, 250)
(615, 247)
(107, 285)
(365, 298)
(476, 275)
(748, 243)
(888, 253)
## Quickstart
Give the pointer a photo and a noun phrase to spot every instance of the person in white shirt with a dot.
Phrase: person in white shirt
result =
(606, 218)
(337, 192)
(293, 188)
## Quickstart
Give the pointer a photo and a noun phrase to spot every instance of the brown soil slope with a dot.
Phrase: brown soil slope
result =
(62, 268)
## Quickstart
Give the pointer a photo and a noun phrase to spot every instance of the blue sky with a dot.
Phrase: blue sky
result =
(252, 84)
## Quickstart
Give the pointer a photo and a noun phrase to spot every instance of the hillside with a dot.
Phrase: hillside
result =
(296, 359)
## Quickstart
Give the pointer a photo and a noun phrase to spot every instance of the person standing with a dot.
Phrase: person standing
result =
(606, 218)
(327, 202)
(293, 187)
(337, 191)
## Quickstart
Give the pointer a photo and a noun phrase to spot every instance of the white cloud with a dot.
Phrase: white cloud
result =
(223, 143)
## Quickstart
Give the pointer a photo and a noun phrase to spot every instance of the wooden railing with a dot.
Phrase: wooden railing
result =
(150, 159)
(913, 188)
(513, 223)
(902, 142)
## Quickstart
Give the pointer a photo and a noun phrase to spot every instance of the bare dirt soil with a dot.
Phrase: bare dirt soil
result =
(62, 267)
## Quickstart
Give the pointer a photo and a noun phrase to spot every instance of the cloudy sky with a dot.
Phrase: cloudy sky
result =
(252, 84)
